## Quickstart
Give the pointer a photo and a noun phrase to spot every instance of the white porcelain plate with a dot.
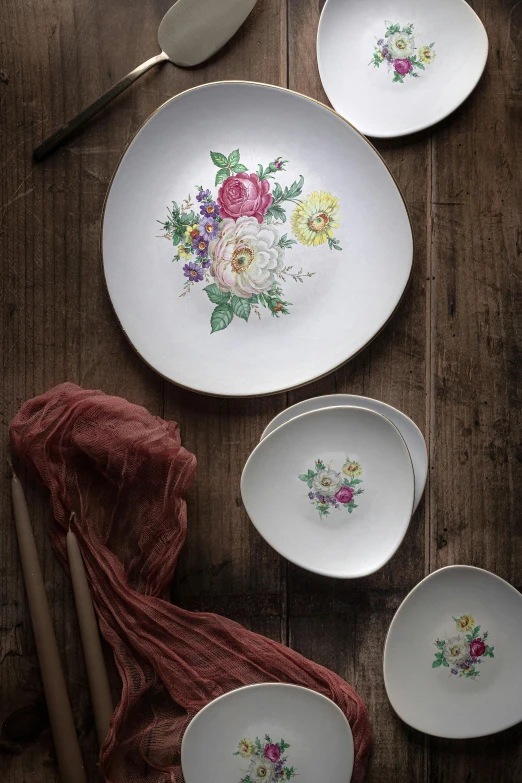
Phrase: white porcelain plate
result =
(410, 432)
(279, 274)
(255, 733)
(393, 68)
(332, 490)
(452, 655)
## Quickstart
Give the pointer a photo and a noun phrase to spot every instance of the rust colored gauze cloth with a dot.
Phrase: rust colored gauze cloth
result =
(124, 473)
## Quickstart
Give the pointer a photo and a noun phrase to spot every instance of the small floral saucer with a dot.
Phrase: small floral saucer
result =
(451, 661)
(268, 733)
(394, 72)
(332, 490)
(412, 435)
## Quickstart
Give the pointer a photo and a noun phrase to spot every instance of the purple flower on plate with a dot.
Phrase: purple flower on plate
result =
(210, 209)
(193, 272)
(454, 671)
(206, 264)
(311, 495)
(208, 228)
(203, 195)
(200, 245)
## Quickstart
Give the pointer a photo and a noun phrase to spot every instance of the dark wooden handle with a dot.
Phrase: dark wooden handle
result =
(62, 135)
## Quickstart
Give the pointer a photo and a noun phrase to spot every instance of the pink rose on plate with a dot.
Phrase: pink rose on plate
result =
(402, 66)
(344, 495)
(477, 648)
(272, 752)
(244, 194)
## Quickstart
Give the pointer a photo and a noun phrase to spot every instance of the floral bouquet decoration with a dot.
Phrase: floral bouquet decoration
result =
(268, 760)
(234, 245)
(398, 50)
(462, 654)
(332, 490)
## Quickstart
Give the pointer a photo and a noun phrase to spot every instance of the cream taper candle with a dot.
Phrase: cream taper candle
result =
(94, 662)
(66, 744)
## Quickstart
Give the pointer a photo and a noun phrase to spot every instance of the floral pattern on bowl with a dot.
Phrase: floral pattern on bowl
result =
(398, 49)
(332, 490)
(234, 244)
(461, 654)
(268, 761)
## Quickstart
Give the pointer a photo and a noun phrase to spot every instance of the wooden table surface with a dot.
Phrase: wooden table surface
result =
(450, 359)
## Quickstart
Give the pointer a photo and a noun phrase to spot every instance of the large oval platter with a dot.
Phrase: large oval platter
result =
(253, 240)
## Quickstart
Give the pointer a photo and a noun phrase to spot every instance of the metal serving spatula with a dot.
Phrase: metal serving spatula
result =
(190, 32)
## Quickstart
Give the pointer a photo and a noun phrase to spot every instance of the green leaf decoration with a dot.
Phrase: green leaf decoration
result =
(394, 28)
(415, 75)
(286, 243)
(233, 159)
(215, 295)
(445, 663)
(420, 65)
(476, 631)
(436, 663)
(241, 307)
(275, 212)
(277, 192)
(188, 219)
(239, 168)
(219, 160)
(303, 477)
(221, 317)
(295, 189)
(222, 175)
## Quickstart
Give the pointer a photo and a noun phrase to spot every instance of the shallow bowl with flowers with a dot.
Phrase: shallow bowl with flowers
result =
(451, 659)
(397, 68)
(332, 490)
(252, 240)
(412, 435)
(268, 733)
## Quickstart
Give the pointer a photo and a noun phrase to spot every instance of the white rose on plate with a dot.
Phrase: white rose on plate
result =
(456, 650)
(261, 770)
(400, 45)
(327, 482)
(246, 256)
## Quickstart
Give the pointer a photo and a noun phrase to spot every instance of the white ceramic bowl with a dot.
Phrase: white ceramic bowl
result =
(412, 435)
(279, 303)
(242, 733)
(441, 48)
(452, 654)
(332, 490)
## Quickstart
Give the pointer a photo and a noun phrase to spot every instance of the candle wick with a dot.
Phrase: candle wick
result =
(11, 466)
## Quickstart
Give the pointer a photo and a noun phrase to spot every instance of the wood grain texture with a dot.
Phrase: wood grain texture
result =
(450, 358)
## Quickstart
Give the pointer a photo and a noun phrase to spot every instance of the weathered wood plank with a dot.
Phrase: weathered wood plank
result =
(477, 336)
(59, 325)
(344, 624)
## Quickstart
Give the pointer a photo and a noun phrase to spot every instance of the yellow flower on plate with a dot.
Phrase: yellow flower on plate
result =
(314, 219)
(191, 232)
(465, 623)
(246, 748)
(182, 253)
(352, 469)
(426, 54)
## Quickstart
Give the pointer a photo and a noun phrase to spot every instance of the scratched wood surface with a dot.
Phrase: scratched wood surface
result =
(450, 359)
